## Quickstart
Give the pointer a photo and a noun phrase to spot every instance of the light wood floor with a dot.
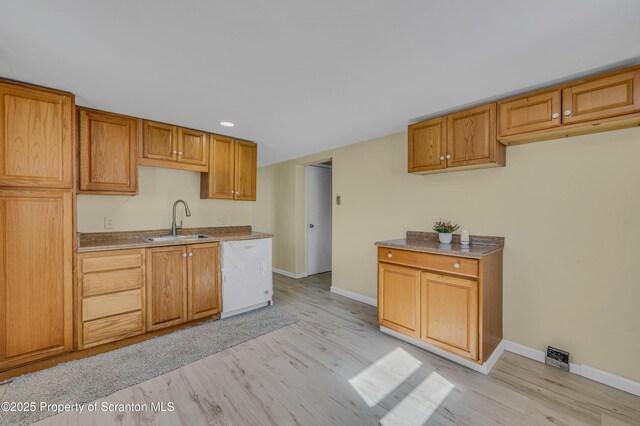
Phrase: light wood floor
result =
(334, 367)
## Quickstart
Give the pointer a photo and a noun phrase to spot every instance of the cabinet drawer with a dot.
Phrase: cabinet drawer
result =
(112, 261)
(111, 304)
(106, 282)
(113, 328)
(434, 262)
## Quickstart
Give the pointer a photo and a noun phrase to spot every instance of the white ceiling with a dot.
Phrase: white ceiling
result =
(302, 76)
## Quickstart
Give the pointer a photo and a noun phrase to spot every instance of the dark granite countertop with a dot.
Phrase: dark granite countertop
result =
(101, 241)
(428, 242)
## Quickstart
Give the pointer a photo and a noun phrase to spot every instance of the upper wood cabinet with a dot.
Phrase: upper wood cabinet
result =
(427, 145)
(36, 137)
(166, 282)
(450, 313)
(232, 170)
(220, 181)
(602, 98)
(465, 139)
(109, 145)
(193, 146)
(399, 298)
(245, 170)
(205, 282)
(471, 138)
(174, 147)
(596, 104)
(529, 113)
(160, 141)
(36, 263)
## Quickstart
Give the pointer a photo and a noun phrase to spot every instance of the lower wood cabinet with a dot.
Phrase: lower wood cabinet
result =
(111, 294)
(183, 284)
(450, 313)
(205, 289)
(452, 303)
(36, 275)
(166, 272)
(399, 298)
(125, 293)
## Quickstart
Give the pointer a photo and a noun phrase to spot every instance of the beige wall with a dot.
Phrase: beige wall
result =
(151, 209)
(569, 209)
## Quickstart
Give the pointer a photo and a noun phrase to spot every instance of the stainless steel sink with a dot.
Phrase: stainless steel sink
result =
(168, 238)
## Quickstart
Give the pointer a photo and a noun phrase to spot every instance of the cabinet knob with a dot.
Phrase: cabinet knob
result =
(567, 112)
(555, 115)
(448, 157)
(237, 192)
(175, 152)
(179, 152)
(184, 254)
(441, 157)
(389, 254)
(456, 265)
(190, 254)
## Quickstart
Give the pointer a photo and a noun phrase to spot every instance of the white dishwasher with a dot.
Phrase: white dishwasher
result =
(247, 281)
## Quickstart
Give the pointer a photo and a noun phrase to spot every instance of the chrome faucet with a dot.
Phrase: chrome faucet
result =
(174, 228)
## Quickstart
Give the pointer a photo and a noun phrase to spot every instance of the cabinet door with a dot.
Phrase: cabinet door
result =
(36, 137)
(109, 145)
(204, 280)
(427, 145)
(219, 181)
(399, 298)
(193, 147)
(450, 314)
(601, 98)
(529, 113)
(246, 167)
(166, 276)
(471, 137)
(160, 141)
(36, 259)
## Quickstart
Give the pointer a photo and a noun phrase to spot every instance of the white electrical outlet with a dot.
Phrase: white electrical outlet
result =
(108, 222)
(222, 220)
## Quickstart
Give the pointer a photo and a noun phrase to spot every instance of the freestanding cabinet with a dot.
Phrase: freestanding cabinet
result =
(36, 258)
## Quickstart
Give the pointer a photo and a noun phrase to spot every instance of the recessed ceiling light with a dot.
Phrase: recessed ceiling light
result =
(227, 124)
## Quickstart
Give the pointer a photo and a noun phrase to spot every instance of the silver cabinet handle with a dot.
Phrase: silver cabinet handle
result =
(441, 157)
(389, 254)
(555, 115)
(456, 265)
(184, 254)
(448, 157)
(567, 112)
(190, 254)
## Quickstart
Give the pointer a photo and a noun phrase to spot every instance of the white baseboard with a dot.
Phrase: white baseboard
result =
(480, 368)
(583, 370)
(289, 274)
(355, 296)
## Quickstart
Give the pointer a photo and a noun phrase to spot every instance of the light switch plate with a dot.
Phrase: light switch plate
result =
(222, 220)
(108, 222)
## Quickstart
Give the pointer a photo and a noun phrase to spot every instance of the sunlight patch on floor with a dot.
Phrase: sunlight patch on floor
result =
(417, 407)
(378, 380)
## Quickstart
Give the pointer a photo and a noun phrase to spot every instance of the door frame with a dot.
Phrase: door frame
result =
(321, 164)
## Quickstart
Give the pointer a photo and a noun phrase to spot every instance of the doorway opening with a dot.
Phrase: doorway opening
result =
(319, 217)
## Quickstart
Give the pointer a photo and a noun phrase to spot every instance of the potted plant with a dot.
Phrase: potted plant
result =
(445, 231)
